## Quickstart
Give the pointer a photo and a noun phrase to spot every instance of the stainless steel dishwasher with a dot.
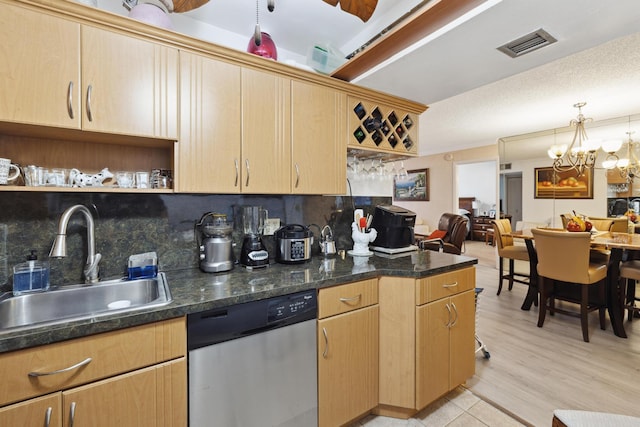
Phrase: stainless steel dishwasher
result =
(254, 364)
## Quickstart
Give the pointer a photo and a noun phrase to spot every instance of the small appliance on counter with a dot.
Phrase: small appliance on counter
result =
(253, 253)
(293, 244)
(213, 236)
(395, 229)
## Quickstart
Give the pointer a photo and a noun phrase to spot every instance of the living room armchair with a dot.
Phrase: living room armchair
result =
(450, 235)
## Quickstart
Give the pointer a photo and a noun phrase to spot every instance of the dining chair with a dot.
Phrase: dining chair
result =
(620, 225)
(600, 253)
(565, 274)
(506, 249)
(630, 271)
(601, 224)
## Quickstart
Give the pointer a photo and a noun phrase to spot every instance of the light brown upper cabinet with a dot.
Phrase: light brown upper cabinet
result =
(59, 73)
(129, 85)
(40, 68)
(250, 131)
(210, 130)
(235, 134)
(319, 139)
(266, 133)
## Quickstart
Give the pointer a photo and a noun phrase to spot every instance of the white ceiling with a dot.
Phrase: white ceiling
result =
(476, 94)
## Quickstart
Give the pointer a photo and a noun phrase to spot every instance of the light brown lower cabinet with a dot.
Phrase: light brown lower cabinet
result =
(427, 347)
(38, 412)
(445, 346)
(136, 377)
(347, 352)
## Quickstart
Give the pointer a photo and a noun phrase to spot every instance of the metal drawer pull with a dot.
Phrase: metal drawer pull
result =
(326, 343)
(452, 285)
(235, 161)
(448, 324)
(89, 114)
(455, 309)
(72, 414)
(297, 175)
(60, 371)
(246, 163)
(352, 299)
(47, 417)
(70, 100)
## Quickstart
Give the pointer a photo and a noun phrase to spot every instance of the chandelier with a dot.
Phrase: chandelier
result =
(628, 166)
(581, 153)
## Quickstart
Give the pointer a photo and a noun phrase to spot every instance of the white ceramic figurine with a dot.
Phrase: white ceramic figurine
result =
(80, 179)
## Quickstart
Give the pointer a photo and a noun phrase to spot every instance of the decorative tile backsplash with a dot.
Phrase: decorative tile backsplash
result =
(127, 224)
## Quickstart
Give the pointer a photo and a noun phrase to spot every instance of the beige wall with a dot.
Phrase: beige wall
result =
(442, 186)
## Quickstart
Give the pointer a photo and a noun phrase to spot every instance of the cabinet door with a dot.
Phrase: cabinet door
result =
(319, 139)
(462, 347)
(266, 134)
(130, 86)
(432, 351)
(347, 366)
(39, 69)
(38, 412)
(208, 153)
(154, 396)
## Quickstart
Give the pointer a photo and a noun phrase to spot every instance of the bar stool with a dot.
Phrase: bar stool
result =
(506, 249)
(630, 271)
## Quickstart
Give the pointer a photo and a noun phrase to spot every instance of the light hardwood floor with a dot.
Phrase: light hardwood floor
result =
(533, 371)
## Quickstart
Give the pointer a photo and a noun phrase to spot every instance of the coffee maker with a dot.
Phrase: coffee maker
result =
(213, 236)
(253, 253)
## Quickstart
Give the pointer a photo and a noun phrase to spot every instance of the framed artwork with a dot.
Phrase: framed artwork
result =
(414, 187)
(550, 184)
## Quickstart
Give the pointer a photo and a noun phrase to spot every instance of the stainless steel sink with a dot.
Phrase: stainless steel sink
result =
(77, 302)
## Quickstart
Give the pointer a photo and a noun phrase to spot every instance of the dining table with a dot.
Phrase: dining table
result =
(620, 244)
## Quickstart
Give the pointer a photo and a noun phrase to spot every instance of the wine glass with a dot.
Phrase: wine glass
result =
(402, 173)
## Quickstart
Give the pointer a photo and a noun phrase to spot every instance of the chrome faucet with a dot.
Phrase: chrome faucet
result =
(59, 248)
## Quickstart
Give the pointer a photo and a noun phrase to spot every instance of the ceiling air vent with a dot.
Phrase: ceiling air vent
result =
(505, 166)
(529, 43)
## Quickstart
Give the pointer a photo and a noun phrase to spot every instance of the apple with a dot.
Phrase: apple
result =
(573, 226)
(587, 226)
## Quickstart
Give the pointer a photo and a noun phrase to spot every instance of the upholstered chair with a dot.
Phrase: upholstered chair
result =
(630, 271)
(565, 273)
(506, 249)
(453, 230)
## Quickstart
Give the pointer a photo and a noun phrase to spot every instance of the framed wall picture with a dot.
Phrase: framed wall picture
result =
(550, 184)
(414, 187)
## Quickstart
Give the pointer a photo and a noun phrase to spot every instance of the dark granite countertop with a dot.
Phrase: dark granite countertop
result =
(194, 291)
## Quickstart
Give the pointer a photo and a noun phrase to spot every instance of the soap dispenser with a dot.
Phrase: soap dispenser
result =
(31, 276)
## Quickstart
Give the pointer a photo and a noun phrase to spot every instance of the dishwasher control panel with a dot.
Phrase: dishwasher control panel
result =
(291, 306)
(242, 320)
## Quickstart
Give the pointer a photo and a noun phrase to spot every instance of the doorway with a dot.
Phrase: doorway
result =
(513, 196)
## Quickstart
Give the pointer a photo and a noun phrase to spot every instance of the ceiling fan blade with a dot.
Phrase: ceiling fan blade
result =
(180, 6)
(363, 9)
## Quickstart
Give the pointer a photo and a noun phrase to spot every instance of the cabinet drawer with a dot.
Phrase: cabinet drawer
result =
(344, 298)
(111, 353)
(444, 285)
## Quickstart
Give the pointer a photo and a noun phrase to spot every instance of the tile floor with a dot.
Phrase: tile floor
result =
(460, 408)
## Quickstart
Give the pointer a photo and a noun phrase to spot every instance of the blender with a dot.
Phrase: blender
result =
(213, 236)
(253, 253)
